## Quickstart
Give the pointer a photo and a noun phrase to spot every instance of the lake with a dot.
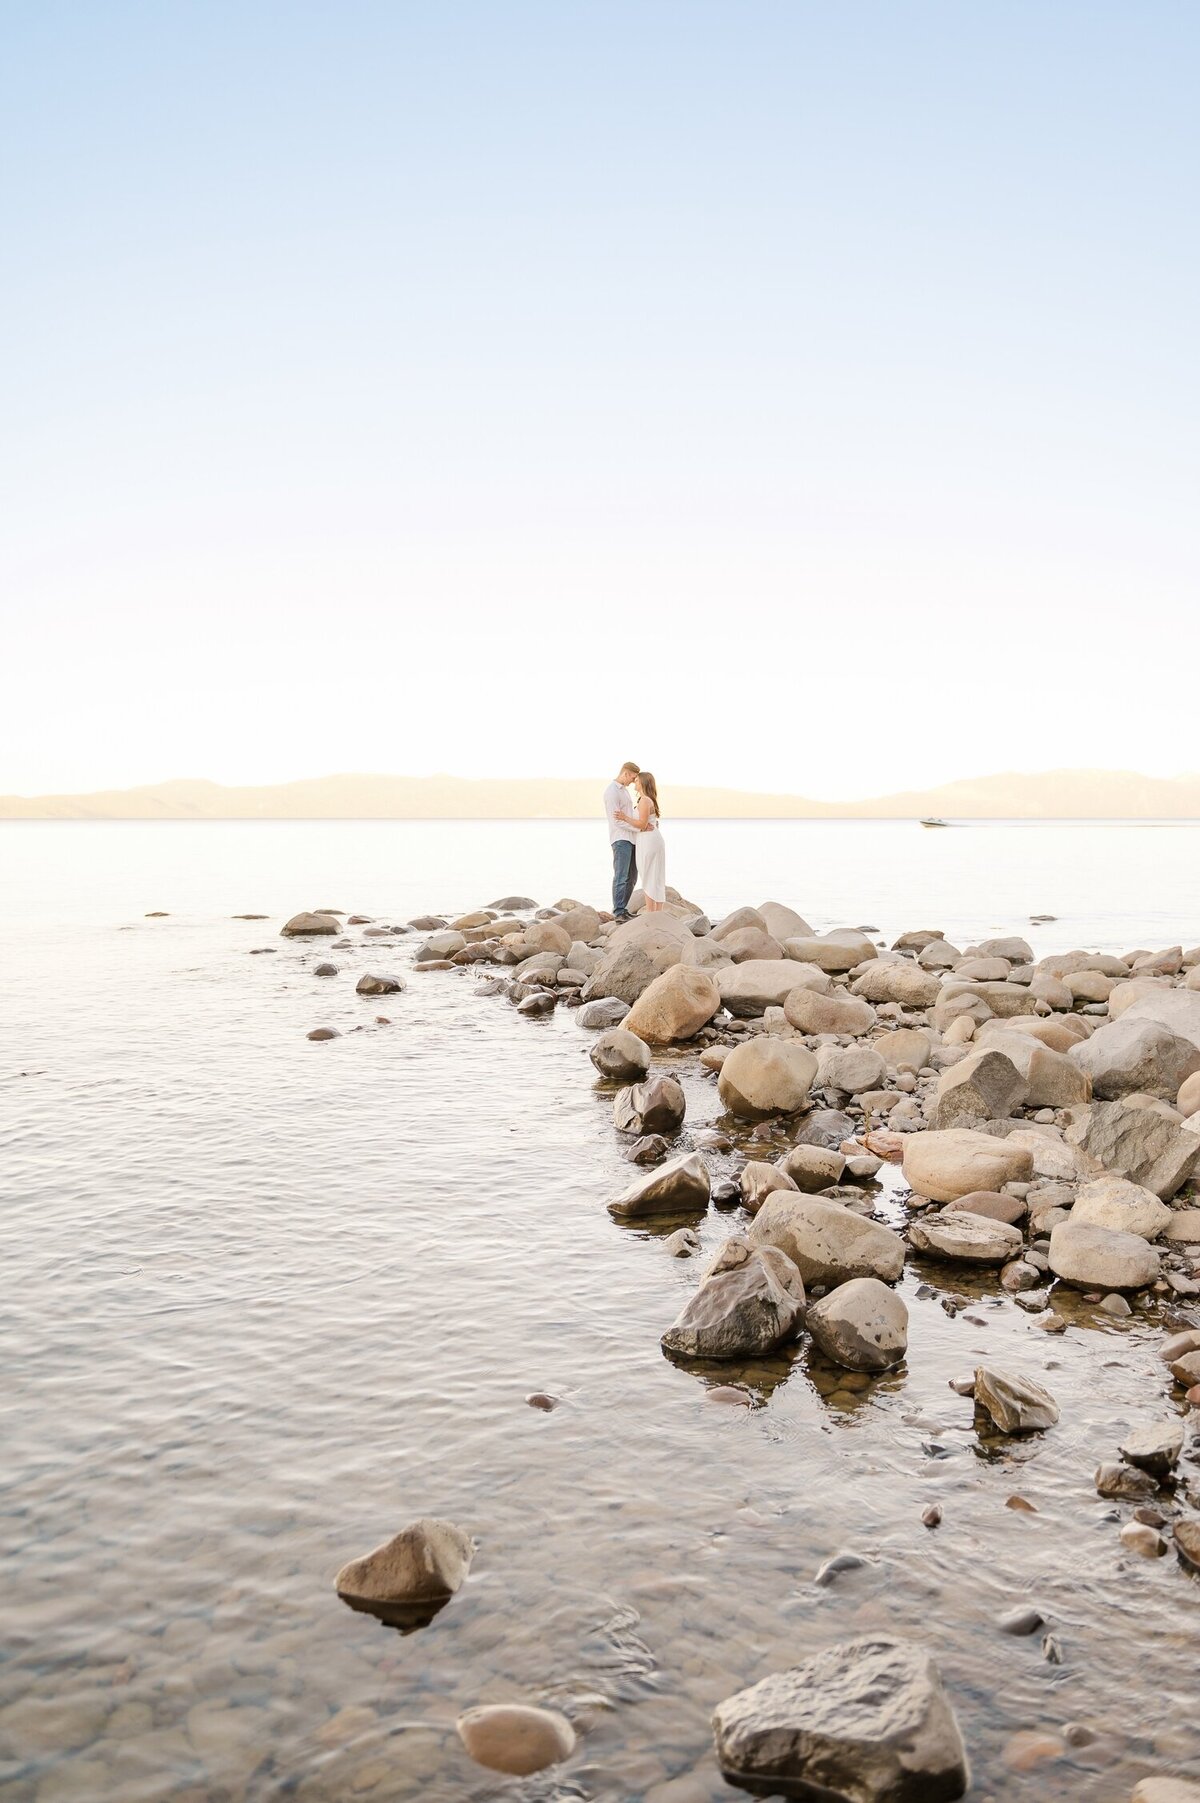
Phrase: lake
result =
(266, 1301)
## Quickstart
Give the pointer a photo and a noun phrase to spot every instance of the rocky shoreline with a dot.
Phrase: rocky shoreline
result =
(1033, 1124)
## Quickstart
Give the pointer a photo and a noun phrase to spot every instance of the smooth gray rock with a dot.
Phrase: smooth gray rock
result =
(680, 1187)
(609, 1011)
(750, 1300)
(1133, 1054)
(620, 1056)
(861, 1324)
(1095, 1258)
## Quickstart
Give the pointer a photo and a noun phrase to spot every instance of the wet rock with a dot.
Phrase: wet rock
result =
(975, 1239)
(835, 1567)
(610, 1011)
(1121, 1206)
(1147, 1542)
(826, 1127)
(409, 1577)
(1165, 1790)
(1138, 1143)
(813, 1168)
(620, 1055)
(828, 1244)
(1021, 1621)
(516, 1738)
(863, 1722)
(1123, 1483)
(674, 1006)
(931, 1516)
(652, 1148)
(302, 926)
(763, 1077)
(1179, 1345)
(323, 1033)
(543, 1402)
(1115, 1304)
(861, 1324)
(655, 1106)
(1154, 1448)
(759, 1179)
(541, 1001)
(1016, 1404)
(680, 1187)
(1095, 1258)
(1187, 1541)
(683, 1243)
(945, 1165)
(750, 1300)
(369, 984)
(985, 1086)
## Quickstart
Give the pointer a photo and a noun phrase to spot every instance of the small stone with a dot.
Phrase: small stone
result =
(1154, 1448)
(412, 1574)
(1030, 1747)
(1123, 1482)
(541, 1399)
(1187, 1541)
(324, 1033)
(1021, 1621)
(1021, 1504)
(1052, 1651)
(682, 1243)
(931, 1516)
(833, 1568)
(325, 970)
(516, 1738)
(1146, 1541)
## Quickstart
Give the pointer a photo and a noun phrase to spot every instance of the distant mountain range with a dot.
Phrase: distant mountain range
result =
(1047, 795)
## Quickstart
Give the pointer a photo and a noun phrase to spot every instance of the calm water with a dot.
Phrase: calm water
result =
(265, 1301)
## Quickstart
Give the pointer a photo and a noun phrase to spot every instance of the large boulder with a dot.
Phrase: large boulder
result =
(897, 981)
(675, 1006)
(811, 1012)
(1133, 1054)
(1052, 1080)
(985, 1086)
(303, 926)
(622, 974)
(579, 923)
(1017, 951)
(1139, 1143)
(831, 952)
(680, 1187)
(411, 1575)
(735, 922)
(949, 1163)
(1178, 1009)
(655, 1106)
(963, 1235)
(750, 942)
(750, 1300)
(620, 1056)
(750, 989)
(1122, 1206)
(766, 1076)
(852, 1068)
(863, 1722)
(783, 922)
(1095, 1258)
(828, 1244)
(862, 1324)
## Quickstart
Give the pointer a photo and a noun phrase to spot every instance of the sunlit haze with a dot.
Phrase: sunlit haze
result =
(792, 397)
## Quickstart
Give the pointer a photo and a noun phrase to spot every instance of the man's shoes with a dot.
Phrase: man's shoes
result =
(622, 918)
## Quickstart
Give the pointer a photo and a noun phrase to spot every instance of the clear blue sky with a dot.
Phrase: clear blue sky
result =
(797, 396)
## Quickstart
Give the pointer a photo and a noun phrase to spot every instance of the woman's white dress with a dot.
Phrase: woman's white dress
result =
(652, 863)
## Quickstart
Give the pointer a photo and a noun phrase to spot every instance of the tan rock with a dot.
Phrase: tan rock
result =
(750, 989)
(758, 1179)
(813, 1168)
(515, 1737)
(900, 981)
(830, 952)
(424, 1563)
(906, 1049)
(947, 1164)
(766, 1076)
(811, 1012)
(828, 1244)
(675, 1006)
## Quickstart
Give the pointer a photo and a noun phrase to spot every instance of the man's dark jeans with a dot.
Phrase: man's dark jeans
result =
(624, 874)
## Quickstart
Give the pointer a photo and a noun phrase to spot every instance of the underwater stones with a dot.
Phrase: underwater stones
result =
(516, 1738)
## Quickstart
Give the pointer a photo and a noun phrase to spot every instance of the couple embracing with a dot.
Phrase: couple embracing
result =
(636, 839)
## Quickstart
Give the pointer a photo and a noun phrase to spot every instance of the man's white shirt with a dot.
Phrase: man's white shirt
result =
(615, 796)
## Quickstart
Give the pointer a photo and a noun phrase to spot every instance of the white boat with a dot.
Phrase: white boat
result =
(932, 822)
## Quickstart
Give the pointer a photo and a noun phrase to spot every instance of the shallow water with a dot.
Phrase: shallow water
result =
(268, 1300)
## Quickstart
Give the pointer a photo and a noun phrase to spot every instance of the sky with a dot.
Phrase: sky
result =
(788, 396)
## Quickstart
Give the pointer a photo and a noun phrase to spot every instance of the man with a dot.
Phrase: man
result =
(622, 838)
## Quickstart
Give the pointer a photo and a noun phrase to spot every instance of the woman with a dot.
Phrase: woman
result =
(651, 852)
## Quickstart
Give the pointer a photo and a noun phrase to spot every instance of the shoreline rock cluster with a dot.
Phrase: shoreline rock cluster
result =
(1044, 1115)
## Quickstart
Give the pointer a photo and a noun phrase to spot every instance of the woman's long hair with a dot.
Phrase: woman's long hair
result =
(649, 788)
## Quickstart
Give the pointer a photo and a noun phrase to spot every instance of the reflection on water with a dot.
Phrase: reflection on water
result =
(266, 1301)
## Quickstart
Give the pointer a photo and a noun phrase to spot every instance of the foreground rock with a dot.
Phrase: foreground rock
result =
(675, 1006)
(863, 1722)
(407, 1580)
(1154, 1448)
(945, 1165)
(828, 1244)
(655, 1106)
(974, 1238)
(620, 1056)
(304, 925)
(1136, 1055)
(680, 1187)
(765, 1077)
(1095, 1258)
(862, 1324)
(985, 1086)
(1016, 1404)
(610, 1011)
(750, 1300)
(515, 1737)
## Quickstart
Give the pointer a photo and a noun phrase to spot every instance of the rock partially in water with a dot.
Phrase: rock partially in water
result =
(652, 1148)
(971, 1238)
(681, 1187)
(750, 1300)
(325, 970)
(516, 1737)
(619, 1054)
(992, 1205)
(1016, 1404)
(655, 1106)
(1021, 1621)
(324, 1033)
(1154, 1448)
(827, 1243)
(542, 1001)
(1123, 1483)
(372, 984)
(1187, 1541)
(682, 1243)
(862, 1325)
(302, 926)
(609, 1011)
(863, 1722)
(410, 1577)
(759, 1179)
(1147, 1542)
(1165, 1790)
